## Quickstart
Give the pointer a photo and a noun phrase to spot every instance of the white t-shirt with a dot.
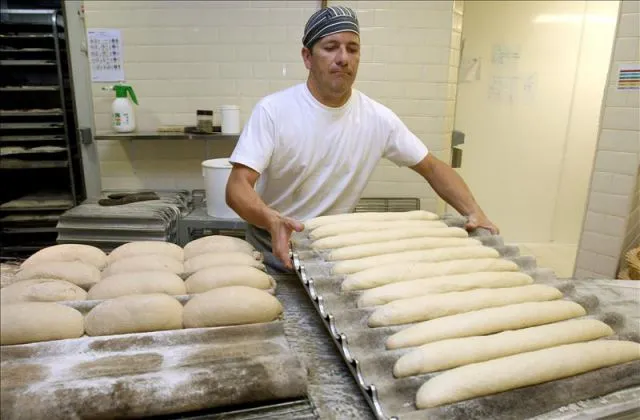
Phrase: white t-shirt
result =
(315, 160)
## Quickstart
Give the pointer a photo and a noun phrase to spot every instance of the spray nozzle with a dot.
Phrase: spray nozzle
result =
(122, 91)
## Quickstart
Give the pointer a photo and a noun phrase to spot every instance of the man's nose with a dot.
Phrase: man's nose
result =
(342, 56)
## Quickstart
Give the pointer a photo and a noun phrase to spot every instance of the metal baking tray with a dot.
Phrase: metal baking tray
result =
(150, 374)
(339, 315)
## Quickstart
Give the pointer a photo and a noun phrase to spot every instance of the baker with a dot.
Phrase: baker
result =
(310, 149)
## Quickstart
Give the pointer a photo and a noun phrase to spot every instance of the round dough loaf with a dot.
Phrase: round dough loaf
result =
(148, 262)
(341, 228)
(228, 275)
(132, 249)
(234, 305)
(134, 314)
(212, 259)
(76, 272)
(369, 216)
(30, 322)
(217, 243)
(41, 290)
(68, 252)
(138, 283)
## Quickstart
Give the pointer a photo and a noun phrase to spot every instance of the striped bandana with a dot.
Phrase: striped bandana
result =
(329, 21)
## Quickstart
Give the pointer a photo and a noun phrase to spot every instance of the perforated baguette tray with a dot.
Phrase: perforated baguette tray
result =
(363, 351)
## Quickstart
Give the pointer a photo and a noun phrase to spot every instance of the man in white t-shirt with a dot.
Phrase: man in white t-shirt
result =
(309, 150)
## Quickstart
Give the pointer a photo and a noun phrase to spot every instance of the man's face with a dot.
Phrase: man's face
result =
(334, 61)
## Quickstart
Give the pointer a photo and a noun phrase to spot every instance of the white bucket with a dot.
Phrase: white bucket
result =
(230, 119)
(216, 174)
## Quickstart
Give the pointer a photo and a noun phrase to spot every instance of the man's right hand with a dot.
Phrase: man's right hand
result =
(280, 228)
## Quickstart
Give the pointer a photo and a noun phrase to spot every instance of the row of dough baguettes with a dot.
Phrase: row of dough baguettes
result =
(47, 279)
(472, 318)
(28, 322)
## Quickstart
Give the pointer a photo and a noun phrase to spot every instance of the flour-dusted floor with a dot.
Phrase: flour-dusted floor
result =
(558, 257)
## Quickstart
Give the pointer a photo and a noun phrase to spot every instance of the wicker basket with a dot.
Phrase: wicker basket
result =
(632, 257)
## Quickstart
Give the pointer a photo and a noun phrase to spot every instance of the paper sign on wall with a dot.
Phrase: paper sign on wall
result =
(105, 55)
(629, 77)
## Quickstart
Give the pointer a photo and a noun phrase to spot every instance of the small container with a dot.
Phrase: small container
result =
(230, 119)
(205, 121)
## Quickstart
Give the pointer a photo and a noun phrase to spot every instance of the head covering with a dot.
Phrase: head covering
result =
(328, 21)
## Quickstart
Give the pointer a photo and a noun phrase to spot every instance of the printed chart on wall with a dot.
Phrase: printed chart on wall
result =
(629, 77)
(105, 55)
(508, 83)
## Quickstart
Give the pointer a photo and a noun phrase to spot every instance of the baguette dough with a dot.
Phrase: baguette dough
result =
(485, 321)
(456, 283)
(447, 354)
(423, 255)
(212, 259)
(132, 249)
(134, 314)
(68, 252)
(147, 262)
(76, 272)
(138, 283)
(218, 243)
(233, 305)
(524, 369)
(383, 236)
(427, 307)
(41, 290)
(30, 322)
(369, 216)
(228, 275)
(393, 273)
(371, 249)
(341, 228)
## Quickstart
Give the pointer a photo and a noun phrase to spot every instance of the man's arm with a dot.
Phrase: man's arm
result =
(451, 188)
(241, 196)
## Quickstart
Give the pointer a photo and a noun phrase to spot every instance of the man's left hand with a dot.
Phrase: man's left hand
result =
(479, 220)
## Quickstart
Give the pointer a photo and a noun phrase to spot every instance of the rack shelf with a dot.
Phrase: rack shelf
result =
(38, 134)
(34, 88)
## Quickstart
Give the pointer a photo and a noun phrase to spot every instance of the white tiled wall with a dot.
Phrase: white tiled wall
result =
(610, 225)
(186, 55)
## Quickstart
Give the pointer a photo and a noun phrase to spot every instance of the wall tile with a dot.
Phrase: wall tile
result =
(181, 56)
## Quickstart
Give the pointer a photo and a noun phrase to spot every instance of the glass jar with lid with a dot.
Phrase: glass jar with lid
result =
(205, 121)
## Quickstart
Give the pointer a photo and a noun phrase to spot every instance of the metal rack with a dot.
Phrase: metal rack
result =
(40, 162)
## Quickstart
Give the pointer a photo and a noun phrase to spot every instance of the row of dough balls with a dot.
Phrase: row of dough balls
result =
(67, 271)
(474, 315)
(28, 322)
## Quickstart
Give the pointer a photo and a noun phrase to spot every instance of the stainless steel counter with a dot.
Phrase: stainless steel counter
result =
(157, 135)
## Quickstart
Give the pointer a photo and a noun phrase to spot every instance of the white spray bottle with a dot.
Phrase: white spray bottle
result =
(123, 117)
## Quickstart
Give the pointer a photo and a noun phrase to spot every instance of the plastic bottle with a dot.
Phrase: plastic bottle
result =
(122, 114)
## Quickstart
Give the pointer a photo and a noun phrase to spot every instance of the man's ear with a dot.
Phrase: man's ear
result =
(306, 57)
